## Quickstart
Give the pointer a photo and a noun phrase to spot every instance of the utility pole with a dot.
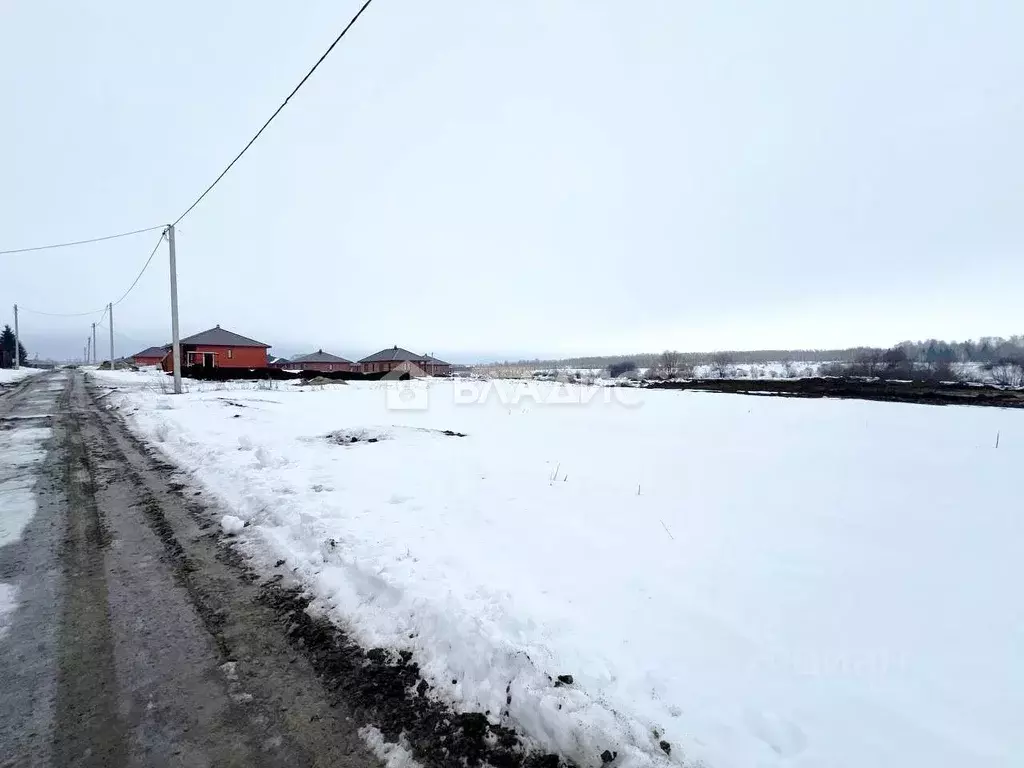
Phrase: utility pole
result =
(17, 344)
(94, 353)
(110, 319)
(175, 346)
(88, 347)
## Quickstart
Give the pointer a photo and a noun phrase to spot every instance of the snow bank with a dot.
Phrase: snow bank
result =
(753, 581)
(11, 376)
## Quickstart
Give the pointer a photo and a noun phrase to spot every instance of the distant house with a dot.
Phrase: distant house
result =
(151, 355)
(277, 362)
(395, 359)
(398, 359)
(322, 361)
(437, 367)
(220, 348)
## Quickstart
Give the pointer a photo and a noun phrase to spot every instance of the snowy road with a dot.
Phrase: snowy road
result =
(127, 635)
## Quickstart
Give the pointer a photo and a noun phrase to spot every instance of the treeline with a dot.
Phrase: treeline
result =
(649, 359)
(988, 349)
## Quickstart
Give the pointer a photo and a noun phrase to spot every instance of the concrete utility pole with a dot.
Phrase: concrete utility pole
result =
(17, 344)
(110, 319)
(88, 347)
(175, 346)
(94, 353)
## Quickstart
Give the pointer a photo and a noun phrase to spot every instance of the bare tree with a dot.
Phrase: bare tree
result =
(721, 365)
(1008, 372)
(684, 371)
(669, 361)
(943, 370)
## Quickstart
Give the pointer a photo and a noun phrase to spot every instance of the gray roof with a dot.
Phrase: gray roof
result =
(218, 337)
(394, 354)
(319, 357)
(152, 352)
(436, 361)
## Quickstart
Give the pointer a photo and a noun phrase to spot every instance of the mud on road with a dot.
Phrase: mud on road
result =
(167, 648)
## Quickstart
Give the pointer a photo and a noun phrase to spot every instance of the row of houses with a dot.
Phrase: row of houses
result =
(221, 348)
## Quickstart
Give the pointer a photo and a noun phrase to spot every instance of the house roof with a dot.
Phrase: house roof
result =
(152, 352)
(394, 354)
(436, 360)
(218, 337)
(319, 357)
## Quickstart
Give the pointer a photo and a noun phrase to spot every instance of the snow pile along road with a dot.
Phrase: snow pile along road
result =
(674, 576)
(9, 376)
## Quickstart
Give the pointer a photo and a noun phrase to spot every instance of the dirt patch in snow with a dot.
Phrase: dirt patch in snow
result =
(387, 691)
(320, 381)
(353, 436)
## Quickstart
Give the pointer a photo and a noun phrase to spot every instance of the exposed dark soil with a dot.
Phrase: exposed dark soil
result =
(861, 389)
(387, 691)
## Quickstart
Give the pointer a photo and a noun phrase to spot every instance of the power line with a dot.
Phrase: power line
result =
(144, 268)
(206, 191)
(81, 242)
(105, 308)
(61, 314)
(276, 111)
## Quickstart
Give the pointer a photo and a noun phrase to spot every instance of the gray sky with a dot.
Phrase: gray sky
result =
(488, 178)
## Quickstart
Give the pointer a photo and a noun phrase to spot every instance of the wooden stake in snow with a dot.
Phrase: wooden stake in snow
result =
(997, 438)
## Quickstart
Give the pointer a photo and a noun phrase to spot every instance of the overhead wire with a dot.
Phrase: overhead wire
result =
(81, 242)
(22, 308)
(277, 111)
(107, 307)
(144, 268)
(196, 202)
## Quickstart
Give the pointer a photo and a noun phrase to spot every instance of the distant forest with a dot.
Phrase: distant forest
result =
(988, 349)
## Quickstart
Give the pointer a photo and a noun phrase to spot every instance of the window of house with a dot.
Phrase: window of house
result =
(229, 354)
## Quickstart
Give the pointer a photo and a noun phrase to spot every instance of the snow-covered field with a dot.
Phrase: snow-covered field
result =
(755, 581)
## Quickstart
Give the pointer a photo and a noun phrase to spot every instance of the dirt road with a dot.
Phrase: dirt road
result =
(128, 637)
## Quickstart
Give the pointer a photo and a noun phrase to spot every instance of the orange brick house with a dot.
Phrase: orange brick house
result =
(151, 355)
(220, 348)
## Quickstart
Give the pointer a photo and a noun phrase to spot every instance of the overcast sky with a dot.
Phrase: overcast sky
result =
(489, 178)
